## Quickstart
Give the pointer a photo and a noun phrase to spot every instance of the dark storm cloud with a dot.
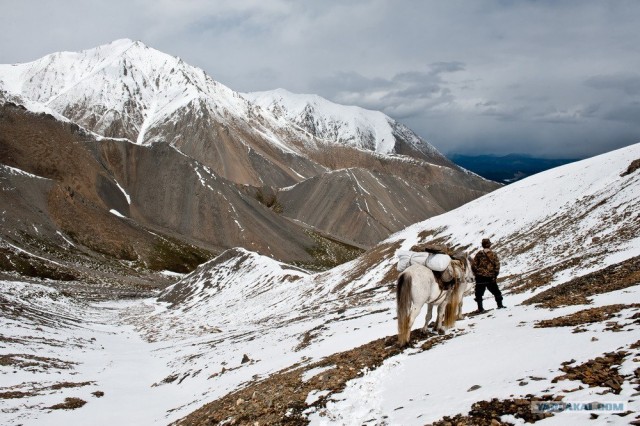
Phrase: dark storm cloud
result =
(544, 77)
(629, 113)
(629, 83)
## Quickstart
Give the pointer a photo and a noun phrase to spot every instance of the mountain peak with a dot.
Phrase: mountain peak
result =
(347, 124)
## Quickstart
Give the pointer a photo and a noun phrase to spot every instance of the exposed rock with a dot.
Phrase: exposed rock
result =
(488, 413)
(69, 404)
(577, 290)
(635, 165)
(586, 316)
(601, 371)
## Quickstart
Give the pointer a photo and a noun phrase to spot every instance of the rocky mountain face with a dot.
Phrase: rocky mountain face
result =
(132, 154)
(70, 197)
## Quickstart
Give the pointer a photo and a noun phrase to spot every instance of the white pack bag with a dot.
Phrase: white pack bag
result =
(434, 261)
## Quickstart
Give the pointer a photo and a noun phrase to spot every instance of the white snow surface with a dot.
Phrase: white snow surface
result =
(157, 360)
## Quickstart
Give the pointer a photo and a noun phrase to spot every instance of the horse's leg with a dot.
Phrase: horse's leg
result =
(438, 327)
(425, 329)
(466, 288)
(415, 311)
(460, 316)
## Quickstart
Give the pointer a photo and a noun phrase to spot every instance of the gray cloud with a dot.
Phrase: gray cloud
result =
(626, 83)
(543, 77)
(402, 95)
(629, 113)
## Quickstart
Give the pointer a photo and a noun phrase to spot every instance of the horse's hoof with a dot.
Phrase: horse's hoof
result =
(441, 332)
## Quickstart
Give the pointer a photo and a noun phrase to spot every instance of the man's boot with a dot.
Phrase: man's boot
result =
(500, 305)
(480, 308)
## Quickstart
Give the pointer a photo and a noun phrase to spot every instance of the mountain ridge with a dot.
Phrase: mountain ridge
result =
(140, 106)
(347, 124)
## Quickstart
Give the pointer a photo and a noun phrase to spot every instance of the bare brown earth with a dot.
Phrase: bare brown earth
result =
(35, 389)
(280, 398)
(29, 362)
(63, 213)
(70, 403)
(587, 316)
(179, 215)
(598, 372)
(365, 206)
(576, 291)
(488, 413)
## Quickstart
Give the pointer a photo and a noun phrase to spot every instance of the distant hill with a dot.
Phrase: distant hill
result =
(508, 168)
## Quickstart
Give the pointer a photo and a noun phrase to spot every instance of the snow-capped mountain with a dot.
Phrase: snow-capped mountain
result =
(121, 89)
(246, 339)
(140, 106)
(128, 90)
(349, 125)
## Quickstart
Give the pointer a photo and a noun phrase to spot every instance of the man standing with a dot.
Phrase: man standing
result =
(486, 267)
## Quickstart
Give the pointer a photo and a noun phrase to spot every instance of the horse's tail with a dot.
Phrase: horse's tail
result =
(403, 308)
(453, 304)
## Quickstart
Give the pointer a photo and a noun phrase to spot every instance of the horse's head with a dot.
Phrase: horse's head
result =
(468, 271)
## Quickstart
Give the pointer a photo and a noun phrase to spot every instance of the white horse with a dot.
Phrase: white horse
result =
(417, 285)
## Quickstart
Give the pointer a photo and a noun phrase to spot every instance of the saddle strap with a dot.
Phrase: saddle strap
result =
(442, 293)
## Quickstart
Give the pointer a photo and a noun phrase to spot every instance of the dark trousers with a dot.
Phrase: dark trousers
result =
(490, 284)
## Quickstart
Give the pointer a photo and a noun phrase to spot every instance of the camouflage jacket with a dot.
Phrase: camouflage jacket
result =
(486, 264)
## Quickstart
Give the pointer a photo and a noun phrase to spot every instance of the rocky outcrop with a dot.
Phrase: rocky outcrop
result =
(71, 196)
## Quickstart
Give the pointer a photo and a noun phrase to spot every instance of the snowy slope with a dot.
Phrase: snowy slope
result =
(584, 211)
(279, 317)
(542, 206)
(350, 125)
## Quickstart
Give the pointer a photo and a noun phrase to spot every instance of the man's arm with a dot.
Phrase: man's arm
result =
(496, 261)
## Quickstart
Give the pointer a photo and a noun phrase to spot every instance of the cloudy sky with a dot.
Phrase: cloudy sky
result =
(547, 78)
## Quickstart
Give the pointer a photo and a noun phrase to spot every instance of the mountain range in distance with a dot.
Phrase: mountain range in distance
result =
(122, 160)
(507, 168)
